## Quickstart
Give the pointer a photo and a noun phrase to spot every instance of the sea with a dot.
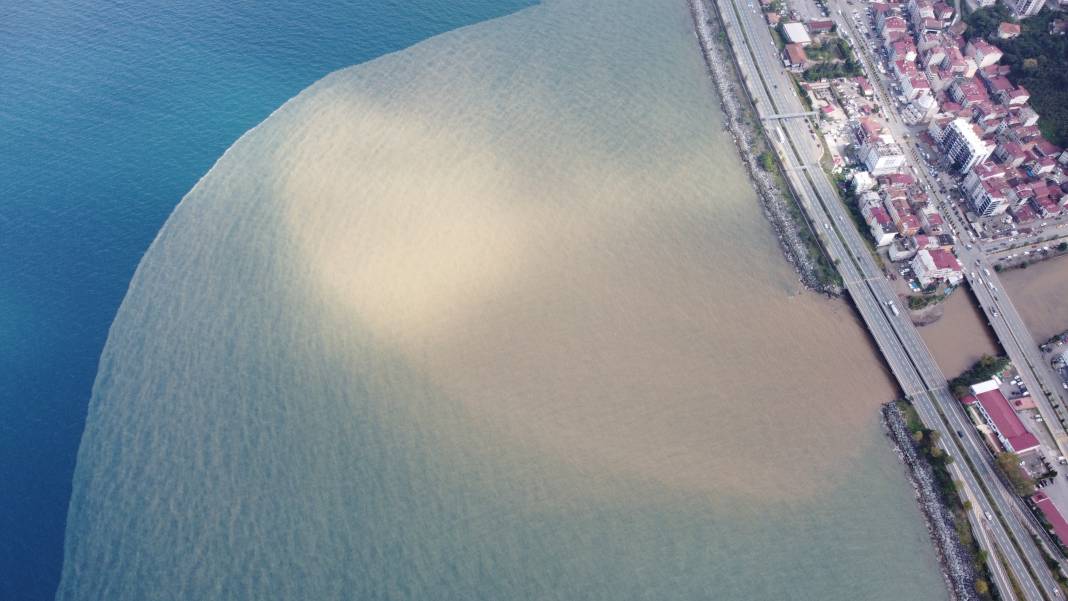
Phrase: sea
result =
(109, 113)
(493, 316)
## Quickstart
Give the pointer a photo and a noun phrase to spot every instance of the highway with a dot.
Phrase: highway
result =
(907, 355)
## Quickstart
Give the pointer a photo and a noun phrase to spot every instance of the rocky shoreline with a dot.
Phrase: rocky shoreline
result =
(956, 560)
(776, 206)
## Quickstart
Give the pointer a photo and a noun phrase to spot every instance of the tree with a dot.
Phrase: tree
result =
(1009, 464)
(1037, 60)
(983, 369)
(982, 587)
(1063, 246)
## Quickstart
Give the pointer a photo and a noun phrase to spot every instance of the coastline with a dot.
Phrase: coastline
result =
(738, 119)
(955, 559)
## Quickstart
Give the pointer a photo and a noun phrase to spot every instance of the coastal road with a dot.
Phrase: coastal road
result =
(896, 337)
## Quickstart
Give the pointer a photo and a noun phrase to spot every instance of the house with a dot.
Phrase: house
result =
(1016, 97)
(965, 92)
(934, 265)
(984, 53)
(1008, 31)
(862, 182)
(943, 12)
(903, 50)
(881, 226)
(934, 55)
(818, 26)
(795, 57)
(933, 222)
(915, 86)
(994, 409)
(891, 26)
(865, 86)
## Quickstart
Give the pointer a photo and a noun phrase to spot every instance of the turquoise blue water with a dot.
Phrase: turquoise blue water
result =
(109, 113)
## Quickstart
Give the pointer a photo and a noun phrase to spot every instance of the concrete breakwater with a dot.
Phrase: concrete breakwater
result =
(955, 558)
(775, 205)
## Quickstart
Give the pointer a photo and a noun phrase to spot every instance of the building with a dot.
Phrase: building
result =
(820, 25)
(998, 415)
(1052, 515)
(796, 33)
(990, 197)
(984, 53)
(795, 57)
(935, 265)
(963, 146)
(915, 86)
(862, 182)
(881, 226)
(881, 158)
(1008, 31)
(1024, 8)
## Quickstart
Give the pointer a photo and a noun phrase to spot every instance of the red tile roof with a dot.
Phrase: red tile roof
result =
(1006, 420)
(1053, 516)
(943, 259)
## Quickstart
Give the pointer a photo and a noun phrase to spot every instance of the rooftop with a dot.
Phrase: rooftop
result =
(796, 33)
(1053, 516)
(1001, 413)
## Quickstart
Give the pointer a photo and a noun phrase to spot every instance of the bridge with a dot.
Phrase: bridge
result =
(781, 116)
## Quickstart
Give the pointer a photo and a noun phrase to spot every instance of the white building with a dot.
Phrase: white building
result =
(963, 146)
(882, 228)
(881, 158)
(796, 33)
(1024, 8)
(935, 265)
(862, 182)
(988, 198)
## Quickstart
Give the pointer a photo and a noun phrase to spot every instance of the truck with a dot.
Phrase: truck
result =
(893, 307)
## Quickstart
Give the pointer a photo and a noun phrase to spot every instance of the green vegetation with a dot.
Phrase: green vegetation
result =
(767, 161)
(927, 445)
(1063, 246)
(1037, 60)
(827, 51)
(805, 99)
(832, 71)
(836, 60)
(919, 301)
(985, 368)
(984, 22)
(1009, 466)
(779, 39)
